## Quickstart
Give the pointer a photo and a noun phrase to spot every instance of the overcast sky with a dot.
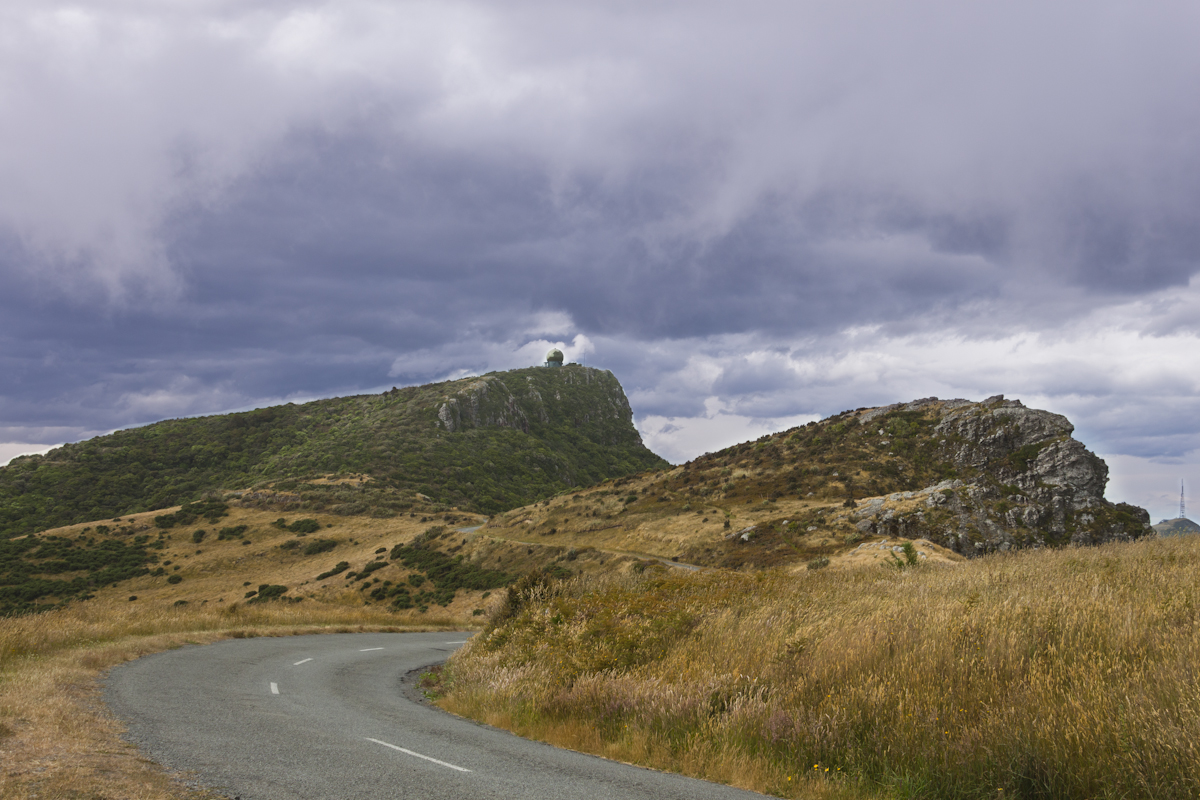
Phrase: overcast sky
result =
(755, 214)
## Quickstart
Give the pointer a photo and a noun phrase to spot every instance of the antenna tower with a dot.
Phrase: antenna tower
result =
(1182, 508)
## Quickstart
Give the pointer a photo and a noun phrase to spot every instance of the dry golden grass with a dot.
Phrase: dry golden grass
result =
(598, 518)
(57, 740)
(1065, 674)
(222, 572)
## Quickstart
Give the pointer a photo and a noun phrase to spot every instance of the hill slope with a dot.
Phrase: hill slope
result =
(485, 444)
(1176, 527)
(962, 477)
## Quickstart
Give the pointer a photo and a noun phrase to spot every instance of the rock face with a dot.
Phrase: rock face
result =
(586, 399)
(1022, 481)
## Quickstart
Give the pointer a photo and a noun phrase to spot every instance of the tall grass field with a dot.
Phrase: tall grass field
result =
(1064, 674)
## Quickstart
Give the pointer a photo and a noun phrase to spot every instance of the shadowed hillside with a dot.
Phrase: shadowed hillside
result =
(483, 444)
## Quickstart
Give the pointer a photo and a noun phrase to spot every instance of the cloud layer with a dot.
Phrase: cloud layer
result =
(752, 215)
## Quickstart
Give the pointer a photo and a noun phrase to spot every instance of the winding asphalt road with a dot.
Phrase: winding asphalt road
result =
(325, 718)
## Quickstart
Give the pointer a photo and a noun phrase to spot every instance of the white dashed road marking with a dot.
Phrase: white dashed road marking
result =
(418, 755)
(369, 649)
(274, 688)
(304, 661)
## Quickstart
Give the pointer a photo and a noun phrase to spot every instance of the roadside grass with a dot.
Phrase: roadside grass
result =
(57, 740)
(1064, 674)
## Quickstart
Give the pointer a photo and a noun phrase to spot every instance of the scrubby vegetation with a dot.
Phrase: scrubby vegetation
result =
(1064, 674)
(338, 569)
(537, 431)
(39, 573)
(211, 509)
(319, 546)
(447, 573)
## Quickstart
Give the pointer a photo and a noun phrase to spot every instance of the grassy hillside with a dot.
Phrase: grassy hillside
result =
(1180, 526)
(1038, 674)
(485, 444)
(848, 489)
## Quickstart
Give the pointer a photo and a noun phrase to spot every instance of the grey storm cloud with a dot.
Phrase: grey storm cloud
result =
(212, 206)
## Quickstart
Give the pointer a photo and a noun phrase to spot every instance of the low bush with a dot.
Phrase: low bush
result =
(317, 546)
(371, 567)
(268, 592)
(212, 510)
(234, 532)
(339, 568)
(449, 573)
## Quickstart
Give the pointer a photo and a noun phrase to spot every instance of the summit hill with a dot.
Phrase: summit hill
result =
(481, 444)
(1176, 527)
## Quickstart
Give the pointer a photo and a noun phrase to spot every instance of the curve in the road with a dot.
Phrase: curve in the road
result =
(321, 717)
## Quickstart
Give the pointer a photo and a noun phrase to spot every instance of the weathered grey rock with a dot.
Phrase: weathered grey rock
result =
(1028, 483)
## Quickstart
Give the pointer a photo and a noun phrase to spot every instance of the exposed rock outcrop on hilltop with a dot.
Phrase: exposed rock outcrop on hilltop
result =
(1019, 480)
(966, 477)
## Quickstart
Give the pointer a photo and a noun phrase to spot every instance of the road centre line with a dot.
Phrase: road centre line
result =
(274, 688)
(417, 755)
(464, 641)
(304, 661)
(369, 649)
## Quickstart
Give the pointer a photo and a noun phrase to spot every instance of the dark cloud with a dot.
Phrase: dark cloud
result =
(759, 213)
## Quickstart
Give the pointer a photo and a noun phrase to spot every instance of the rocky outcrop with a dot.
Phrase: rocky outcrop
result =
(588, 400)
(1022, 480)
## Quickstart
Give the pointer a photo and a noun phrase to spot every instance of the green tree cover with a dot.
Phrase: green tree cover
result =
(512, 438)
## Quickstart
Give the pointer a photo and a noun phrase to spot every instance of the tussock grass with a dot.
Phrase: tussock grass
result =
(1065, 674)
(56, 738)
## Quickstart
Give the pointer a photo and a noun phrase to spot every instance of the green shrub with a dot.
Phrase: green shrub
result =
(1021, 457)
(212, 510)
(269, 592)
(319, 546)
(304, 526)
(371, 567)
(341, 567)
(175, 579)
(234, 532)
(911, 557)
(198, 536)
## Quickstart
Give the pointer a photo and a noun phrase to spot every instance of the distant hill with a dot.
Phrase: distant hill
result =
(483, 444)
(1176, 527)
